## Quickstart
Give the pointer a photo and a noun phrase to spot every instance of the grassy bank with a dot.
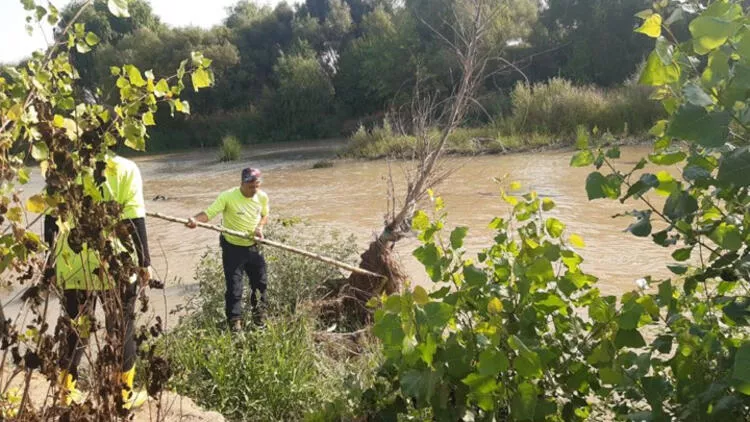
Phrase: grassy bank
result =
(543, 115)
(289, 369)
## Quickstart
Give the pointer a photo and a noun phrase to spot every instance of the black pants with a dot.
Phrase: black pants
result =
(119, 318)
(237, 261)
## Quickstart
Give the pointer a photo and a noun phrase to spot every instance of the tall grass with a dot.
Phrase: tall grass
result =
(559, 107)
(285, 371)
(230, 150)
(542, 114)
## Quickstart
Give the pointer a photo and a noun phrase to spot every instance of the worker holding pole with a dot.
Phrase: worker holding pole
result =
(243, 209)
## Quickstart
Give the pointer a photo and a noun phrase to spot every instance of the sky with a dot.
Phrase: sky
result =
(17, 44)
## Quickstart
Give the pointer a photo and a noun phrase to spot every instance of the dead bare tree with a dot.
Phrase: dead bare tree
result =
(432, 121)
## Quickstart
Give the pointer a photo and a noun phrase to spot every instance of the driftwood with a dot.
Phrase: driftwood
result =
(271, 243)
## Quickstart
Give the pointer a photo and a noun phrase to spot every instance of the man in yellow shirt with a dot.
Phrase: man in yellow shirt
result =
(76, 269)
(245, 209)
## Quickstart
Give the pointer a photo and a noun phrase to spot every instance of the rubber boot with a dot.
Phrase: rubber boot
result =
(68, 392)
(131, 399)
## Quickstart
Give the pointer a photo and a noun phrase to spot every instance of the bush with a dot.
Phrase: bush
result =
(558, 107)
(230, 150)
(284, 371)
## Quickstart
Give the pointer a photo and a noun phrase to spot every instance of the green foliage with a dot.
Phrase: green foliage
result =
(499, 336)
(693, 366)
(50, 123)
(303, 93)
(231, 148)
(559, 107)
(286, 370)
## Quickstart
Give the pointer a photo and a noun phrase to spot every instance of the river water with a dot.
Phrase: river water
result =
(352, 196)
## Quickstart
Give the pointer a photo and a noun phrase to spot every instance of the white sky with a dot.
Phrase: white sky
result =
(15, 43)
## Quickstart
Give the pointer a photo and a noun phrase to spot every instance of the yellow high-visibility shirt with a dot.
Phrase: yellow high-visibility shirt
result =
(239, 213)
(124, 185)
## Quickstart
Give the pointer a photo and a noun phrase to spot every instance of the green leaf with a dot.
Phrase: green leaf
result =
(582, 159)
(527, 363)
(495, 306)
(610, 376)
(420, 295)
(554, 227)
(161, 89)
(457, 237)
(540, 270)
(134, 136)
(651, 26)
(727, 236)
(482, 389)
(656, 73)
(710, 33)
(629, 338)
(741, 370)
(523, 405)
(631, 314)
(683, 254)
(492, 362)
(696, 95)
(601, 311)
(647, 182)
(92, 39)
(735, 167)
(119, 8)
(695, 124)
(427, 350)
(598, 186)
(437, 314)
(419, 384)
(548, 204)
(680, 204)
(717, 69)
(420, 222)
(135, 76)
(36, 204)
(148, 119)
(201, 79)
(667, 159)
(388, 329)
(474, 276)
(40, 151)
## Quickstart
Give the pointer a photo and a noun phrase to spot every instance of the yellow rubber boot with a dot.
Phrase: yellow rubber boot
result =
(131, 399)
(68, 391)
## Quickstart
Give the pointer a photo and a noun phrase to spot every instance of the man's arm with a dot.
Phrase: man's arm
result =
(201, 217)
(261, 224)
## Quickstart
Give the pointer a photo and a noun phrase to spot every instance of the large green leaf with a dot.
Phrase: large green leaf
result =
(712, 28)
(735, 167)
(523, 405)
(656, 73)
(680, 204)
(492, 362)
(696, 95)
(695, 124)
(598, 186)
(727, 236)
(419, 384)
(601, 311)
(201, 79)
(651, 26)
(457, 237)
(741, 370)
(540, 270)
(527, 363)
(629, 338)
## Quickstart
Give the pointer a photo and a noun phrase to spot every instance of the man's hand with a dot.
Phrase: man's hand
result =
(191, 223)
(259, 232)
(144, 276)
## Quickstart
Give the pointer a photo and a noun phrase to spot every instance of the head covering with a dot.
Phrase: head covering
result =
(250, 175)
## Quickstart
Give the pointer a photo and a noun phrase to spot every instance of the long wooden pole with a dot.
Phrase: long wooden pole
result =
(267, 242)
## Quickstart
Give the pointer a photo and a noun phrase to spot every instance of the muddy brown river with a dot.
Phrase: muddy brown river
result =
(352, 195)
